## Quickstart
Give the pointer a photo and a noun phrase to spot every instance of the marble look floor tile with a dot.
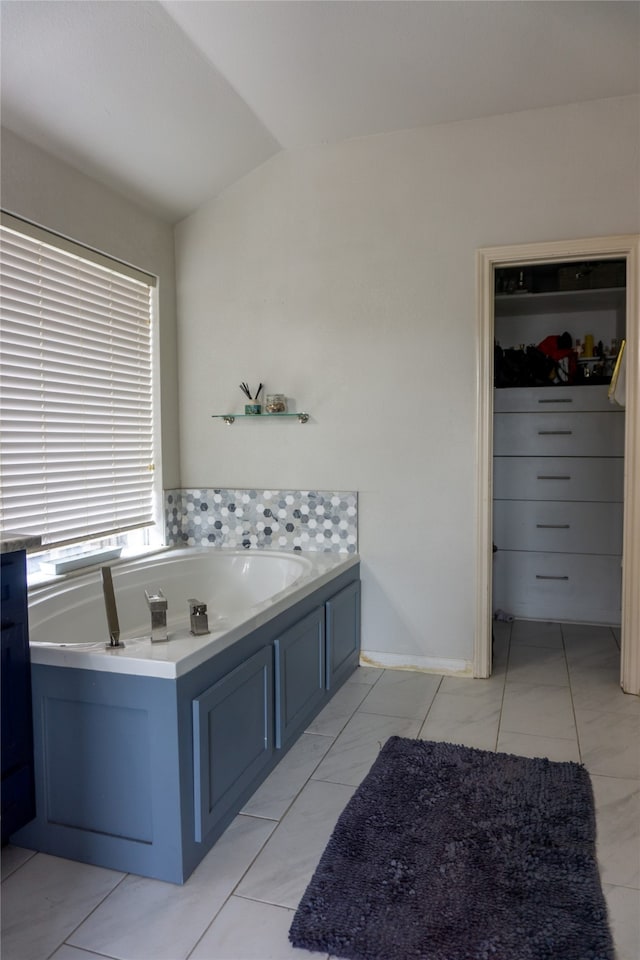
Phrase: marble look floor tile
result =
(273, 798)
(45, 900)
(368, 675)
(402, 693)
(501, 630)
(250, 930)
(338, 711)
(14, 857)
(490, 690)
(587, 633)
(601, 691)
(536, 633)
(499, 654)
(589, 647)
(609, 743)
(67, 952)
(594, 665)
(351, 756)
(624, 918)
(472, 721)
(618, 829)
(531, 664)
(539, 709)
(596, 669)
(524, 745)
(281, 872)
(149, 918)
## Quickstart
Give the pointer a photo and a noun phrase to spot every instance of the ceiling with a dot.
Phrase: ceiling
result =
(170, 102)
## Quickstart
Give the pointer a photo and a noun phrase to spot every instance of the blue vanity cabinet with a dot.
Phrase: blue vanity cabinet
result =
(18, 787)
(300, 675)
(232, 738)
(343, 634)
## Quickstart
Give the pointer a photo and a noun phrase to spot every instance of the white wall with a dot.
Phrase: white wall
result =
(343, 276)
(42, 189)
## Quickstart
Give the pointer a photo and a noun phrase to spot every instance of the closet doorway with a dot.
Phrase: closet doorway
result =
(512, 284)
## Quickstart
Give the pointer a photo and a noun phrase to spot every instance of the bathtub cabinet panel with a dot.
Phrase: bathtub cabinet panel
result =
(300, 675)
(343, 634)
(92, 731)
(111, 746)
(232, 738)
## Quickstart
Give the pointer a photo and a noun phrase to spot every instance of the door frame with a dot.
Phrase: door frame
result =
(487, 259)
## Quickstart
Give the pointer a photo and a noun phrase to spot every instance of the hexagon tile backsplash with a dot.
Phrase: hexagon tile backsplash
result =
(319, 520)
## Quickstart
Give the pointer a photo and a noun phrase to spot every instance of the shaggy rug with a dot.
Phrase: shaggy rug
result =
(446, 852)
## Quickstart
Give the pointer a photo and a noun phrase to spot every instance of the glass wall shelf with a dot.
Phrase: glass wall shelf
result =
(229, 418)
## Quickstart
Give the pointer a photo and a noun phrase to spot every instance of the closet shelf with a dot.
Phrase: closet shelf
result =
(559, 301)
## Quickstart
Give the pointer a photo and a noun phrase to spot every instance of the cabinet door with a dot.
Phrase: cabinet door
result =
(300, 675)
(232, 738)
(18, 791)
(343, 634)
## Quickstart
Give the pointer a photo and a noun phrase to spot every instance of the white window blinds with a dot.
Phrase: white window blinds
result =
(76, 419)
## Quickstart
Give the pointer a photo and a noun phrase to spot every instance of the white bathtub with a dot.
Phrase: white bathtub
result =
(242, 590)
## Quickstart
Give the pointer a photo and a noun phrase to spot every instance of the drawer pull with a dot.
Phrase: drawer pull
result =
(553, 476)
(555, 433)
(558, 400)
(541, 576)
(553, 526)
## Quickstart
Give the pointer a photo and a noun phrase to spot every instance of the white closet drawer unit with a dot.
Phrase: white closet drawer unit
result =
(555, 586)
(548, 399)
(563, 478)
(558, 434)
(558, 527)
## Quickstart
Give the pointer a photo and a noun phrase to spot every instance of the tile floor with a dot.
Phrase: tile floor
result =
(554, 693)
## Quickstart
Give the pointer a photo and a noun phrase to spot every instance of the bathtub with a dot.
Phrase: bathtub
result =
(144, 754)
(242, 590)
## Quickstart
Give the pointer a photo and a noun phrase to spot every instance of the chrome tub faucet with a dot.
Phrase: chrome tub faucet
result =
(157, 603)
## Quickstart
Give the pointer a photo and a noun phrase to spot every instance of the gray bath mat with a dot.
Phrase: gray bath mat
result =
(450, 853)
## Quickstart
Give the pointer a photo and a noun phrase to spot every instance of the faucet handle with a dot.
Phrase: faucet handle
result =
(156, 600)
(198, 617)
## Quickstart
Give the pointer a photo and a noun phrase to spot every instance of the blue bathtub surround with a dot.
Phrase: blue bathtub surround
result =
(143, 757)
(314, 520)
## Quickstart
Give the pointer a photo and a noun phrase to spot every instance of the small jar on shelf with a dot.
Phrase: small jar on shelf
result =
(275, 403)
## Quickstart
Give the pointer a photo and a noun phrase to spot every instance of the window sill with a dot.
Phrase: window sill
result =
(42, 578)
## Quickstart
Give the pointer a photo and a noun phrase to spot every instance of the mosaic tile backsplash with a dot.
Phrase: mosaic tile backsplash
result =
(318, 520)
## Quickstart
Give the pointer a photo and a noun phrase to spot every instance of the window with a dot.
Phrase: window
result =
(76, 411)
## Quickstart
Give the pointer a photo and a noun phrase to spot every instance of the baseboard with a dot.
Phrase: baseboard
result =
(397, 661)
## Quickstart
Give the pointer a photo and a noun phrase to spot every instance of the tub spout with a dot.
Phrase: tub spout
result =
(157, 603)
(198, 617)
